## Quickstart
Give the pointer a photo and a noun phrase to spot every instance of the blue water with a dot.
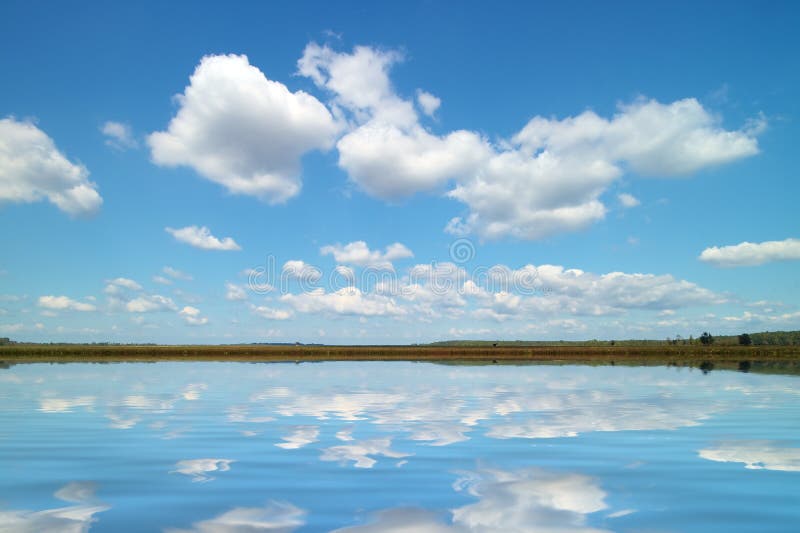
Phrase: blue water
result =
(385, 446)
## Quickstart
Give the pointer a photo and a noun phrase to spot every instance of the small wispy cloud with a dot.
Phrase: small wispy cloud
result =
(201, 237)
(628, 200)
(119, 135)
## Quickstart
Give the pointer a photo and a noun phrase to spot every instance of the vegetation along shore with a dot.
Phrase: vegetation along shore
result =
(719, 353)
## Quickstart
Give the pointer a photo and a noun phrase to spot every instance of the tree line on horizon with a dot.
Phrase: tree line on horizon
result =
(765, 338)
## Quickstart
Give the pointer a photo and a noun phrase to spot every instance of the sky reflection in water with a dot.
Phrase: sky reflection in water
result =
(362, 447)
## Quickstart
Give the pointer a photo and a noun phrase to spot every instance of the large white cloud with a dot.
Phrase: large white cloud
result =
(552, 295)
(552, 175)
(751, 254)
(623, 290)
(533, 197)
(32, 168)
(546, 179)
(545, 291)
(551, 290)
(387, 152)
(359, 80)
(201, 237)
(390, 162)
(650, 137)
(242, 130)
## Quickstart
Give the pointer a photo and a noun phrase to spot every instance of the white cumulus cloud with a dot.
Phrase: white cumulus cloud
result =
(300, 270)
(752, 254)
(390, 162)
(201, 237)
(64, 303)
(345, 301)
(550, 178)
(191, 315)
(116, 285)
(32, 169)
(149, 303)
(242, 130)
(386, 152)
(359, 81)
(358, 253)
(546, 179)
(270, 313)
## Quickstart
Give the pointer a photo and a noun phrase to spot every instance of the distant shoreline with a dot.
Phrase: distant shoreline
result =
(704, 357)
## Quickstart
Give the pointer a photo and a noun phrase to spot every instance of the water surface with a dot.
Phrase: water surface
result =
(389, 446)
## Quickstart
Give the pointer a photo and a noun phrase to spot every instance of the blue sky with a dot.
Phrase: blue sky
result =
(516, 172)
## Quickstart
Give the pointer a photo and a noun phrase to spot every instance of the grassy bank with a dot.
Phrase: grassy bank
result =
(707, 357)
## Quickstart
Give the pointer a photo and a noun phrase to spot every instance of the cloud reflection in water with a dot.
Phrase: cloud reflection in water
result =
(71, 519)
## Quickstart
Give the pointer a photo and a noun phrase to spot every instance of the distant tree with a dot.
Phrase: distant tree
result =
(745, 340)
(706, 338)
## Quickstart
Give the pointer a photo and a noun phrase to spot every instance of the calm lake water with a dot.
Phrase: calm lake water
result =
(411, 447)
